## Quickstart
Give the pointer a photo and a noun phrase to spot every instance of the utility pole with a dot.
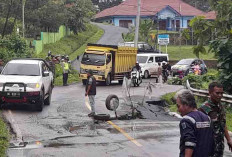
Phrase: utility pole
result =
(157, 43)
(137, 24)
(23, 6)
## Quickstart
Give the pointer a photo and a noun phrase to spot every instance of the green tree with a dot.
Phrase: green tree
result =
(14, 46)
(202, 31)
(222, 46)
(145, 29)
(79, 13)
(185, 35)
(9, 10)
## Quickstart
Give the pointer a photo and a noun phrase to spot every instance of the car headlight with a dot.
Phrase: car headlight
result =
(101, 72)
(33, 85)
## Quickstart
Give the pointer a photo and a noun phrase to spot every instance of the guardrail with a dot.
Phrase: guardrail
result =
(204, 93)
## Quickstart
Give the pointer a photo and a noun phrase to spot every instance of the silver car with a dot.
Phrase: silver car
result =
(184, 66)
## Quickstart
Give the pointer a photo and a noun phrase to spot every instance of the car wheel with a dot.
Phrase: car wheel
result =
(104, 117)
(40, 104)
(146, 74)
(47, 101)
(108, 80)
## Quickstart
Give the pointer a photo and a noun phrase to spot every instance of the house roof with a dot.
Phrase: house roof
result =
(152, 7)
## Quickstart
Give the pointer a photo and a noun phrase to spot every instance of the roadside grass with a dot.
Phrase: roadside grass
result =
(93, 39)
(177, 53)
(68, 45)
(169, 98)
(4, 138)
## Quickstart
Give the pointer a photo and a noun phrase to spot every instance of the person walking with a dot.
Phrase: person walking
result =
(90, 91)
(65, 67)
(215, 110)
(195, 128)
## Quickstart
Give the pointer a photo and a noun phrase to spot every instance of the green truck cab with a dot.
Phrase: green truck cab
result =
(108, 62)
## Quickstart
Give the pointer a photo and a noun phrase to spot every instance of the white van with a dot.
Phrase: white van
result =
(149, 63)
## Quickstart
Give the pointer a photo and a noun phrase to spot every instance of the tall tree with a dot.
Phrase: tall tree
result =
(79, 13)
(202, 31)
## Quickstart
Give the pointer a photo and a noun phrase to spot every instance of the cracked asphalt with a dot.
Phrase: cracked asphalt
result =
(64, 129)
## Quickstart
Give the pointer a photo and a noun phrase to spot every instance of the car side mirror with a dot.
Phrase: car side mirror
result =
(78, 57)
(46, 73)
(149, 61)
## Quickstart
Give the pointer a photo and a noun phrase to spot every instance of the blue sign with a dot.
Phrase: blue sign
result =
(163, 39)
(163, 36)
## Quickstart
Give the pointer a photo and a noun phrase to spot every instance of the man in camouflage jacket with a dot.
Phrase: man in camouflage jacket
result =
(215, 110)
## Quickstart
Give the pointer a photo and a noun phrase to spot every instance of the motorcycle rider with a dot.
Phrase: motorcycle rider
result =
(138, 68)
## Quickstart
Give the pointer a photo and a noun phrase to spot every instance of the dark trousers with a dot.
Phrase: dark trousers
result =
(65, 78)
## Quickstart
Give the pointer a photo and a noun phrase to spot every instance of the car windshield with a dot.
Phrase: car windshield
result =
(185, 62)
(93, 59)
(142, 59)
(21, 69)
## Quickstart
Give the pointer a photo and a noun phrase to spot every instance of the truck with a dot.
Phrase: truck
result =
(108, 62)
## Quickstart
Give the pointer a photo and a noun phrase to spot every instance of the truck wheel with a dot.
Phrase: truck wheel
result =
(104, 117)
(84, 82)
(112, 102)
(40, 104)
(146, 74)
(108, 80)
(47, 101)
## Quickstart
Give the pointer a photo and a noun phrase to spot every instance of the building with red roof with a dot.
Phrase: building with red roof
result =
(171, 14)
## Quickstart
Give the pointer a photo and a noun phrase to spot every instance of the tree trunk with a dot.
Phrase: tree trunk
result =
(16, 16)
(7, 17)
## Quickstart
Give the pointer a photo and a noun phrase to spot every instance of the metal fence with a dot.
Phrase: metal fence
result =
(204, 93)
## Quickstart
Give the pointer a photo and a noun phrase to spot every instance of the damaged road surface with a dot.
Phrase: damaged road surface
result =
(64, 128)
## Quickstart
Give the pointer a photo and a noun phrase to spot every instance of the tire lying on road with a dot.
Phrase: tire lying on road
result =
(104, 117)
(109, 104)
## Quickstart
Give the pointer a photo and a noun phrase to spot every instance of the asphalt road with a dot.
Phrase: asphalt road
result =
(64, 128)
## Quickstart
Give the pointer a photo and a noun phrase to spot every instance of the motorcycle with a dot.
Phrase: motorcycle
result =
(136, 78)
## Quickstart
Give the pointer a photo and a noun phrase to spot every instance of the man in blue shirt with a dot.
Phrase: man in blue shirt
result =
(195, 128)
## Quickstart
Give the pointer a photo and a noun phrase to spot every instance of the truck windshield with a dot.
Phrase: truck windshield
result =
(21, 69)
(142, 59)
(93, 59)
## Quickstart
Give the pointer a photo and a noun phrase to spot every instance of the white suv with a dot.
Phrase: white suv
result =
(26, 81)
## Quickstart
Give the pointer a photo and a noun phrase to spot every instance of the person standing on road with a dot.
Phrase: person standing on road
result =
(160, 79)
(195, 128)
(90, 91)
(215, 110)
(1, 65)
(65, 67)
(169, 68)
